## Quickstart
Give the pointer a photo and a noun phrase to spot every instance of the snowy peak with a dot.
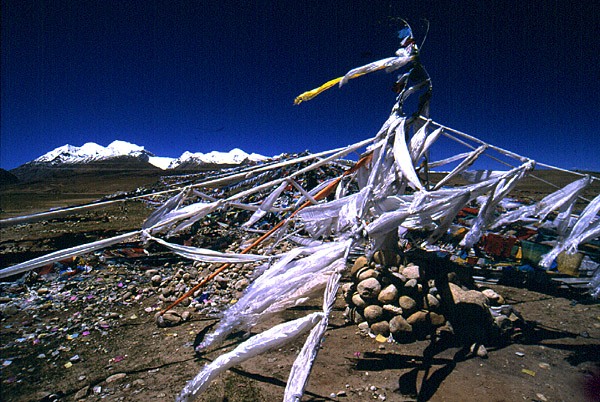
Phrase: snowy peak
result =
(233, 157)
(90, 152)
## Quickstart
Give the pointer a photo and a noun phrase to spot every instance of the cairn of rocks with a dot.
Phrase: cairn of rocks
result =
(387, 298)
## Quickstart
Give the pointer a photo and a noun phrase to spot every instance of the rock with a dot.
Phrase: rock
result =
(185, 315)
(417, 318)
(221, 281)
(432, 302)
(358, 301)
(494, 298)
(363, 326)
(151, 272)
(388, 295)
(381, 328)
(369, 288)
(373, 313)
(503, 323)
(400, 329)
(411, 272)
(420, 324)
(393, 310)
(358, 265)
(156, 280)
(366, 274)
(241, 284)
(115, 377)
(386, 258)
(347, 291)
(398, 277)
(168, 319)
(468, 296)
(408, 305)
(138, 383)
(481, 352)
(411, 284)
(82, 393)
(436, 320)
(42, 291)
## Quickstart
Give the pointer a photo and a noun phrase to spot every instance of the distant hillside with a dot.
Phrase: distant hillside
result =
(7, 178)
(37, 171)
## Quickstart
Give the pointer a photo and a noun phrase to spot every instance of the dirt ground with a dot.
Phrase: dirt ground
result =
(128, 358)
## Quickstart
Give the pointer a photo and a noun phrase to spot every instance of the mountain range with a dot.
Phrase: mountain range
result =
(125, 156)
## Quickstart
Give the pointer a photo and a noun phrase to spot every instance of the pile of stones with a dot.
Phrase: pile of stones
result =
(387, 298)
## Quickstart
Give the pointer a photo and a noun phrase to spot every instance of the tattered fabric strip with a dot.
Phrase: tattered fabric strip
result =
(266, 205)
(468, 161)
(273, 338)
(207, 255)
(586, 228)
(429, 141)
(403, 159)
(284, 284)
(302, 366)
(417, 142)
(66, 253)
(485, 215)
(538, 211)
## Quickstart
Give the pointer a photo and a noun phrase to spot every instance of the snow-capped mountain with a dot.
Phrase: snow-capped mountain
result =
(233, 157)
(90, 152)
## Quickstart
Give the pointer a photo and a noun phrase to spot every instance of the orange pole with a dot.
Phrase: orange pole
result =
(319, 196)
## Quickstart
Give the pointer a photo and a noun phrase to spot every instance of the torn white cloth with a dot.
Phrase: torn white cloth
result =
(273, 338)
(468, 161)
(207, 255)
(586, 228)
(66, 253)
(266, 205)
(564, 197)
(288, 282)
(302, 366)
(402, 157)
(485, 215)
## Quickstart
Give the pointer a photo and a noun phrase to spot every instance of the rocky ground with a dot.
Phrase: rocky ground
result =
(86, 330)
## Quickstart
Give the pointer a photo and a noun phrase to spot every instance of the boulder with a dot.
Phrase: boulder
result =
(373, 313)
(392, 310)
(381, 328)
(408, 305)
(432, 301)
(494, 298)
(400, 329)
(358, 265)
(367, 273)
(388, 294)
(411, 271)
(386, 258)
(358, 301)
(369, 288)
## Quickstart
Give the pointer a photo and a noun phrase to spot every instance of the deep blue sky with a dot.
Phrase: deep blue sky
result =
(213, 75)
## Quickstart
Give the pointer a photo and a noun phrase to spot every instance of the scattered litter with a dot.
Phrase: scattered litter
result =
(117, 359)
(544, 366)
(528, 372)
